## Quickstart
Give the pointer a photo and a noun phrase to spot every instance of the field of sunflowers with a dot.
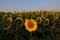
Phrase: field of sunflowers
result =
(31, 25)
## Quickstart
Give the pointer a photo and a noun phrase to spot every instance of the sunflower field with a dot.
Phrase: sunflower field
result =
(31, 25)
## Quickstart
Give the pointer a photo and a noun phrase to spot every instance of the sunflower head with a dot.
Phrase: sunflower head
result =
(44, 15)
(46, 22)
(10, 19)
(33, 15)
(27, 15)
(39, 20)
(7, 27)
(30, 25)
(19, 15)
(18, 22)
(55, 15)
(7, 23)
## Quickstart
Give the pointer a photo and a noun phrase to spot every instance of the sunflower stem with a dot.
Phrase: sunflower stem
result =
(16, 34)
(31, 36)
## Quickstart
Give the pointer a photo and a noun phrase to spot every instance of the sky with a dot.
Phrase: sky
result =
(26, 5)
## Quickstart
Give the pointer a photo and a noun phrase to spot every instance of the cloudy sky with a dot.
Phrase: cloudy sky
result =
(26, 5)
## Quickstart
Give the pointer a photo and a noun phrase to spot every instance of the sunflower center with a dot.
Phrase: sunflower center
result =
(30, 24)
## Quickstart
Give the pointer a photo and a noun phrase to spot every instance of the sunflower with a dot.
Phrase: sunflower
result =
(19, 15)
(30, 25)
(39, 20)
(44, 15)
(46, 21)
(8, 23)
(18, 22)
(11, 20)
(33, 15)
(6, 28)
(55, 15)
(26, 15)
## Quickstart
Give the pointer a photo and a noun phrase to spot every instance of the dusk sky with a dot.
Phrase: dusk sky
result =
(26, 5)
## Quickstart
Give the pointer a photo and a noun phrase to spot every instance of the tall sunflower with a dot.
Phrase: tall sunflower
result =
(55, 15)
(44, 15)
(8, 23)
(19, 15)
(18, 22)
(39, 20)
(46, 21)
(30, 25)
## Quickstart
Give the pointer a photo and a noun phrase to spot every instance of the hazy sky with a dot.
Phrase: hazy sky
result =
(21, 5)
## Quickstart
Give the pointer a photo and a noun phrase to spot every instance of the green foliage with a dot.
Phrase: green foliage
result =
(47, 29)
